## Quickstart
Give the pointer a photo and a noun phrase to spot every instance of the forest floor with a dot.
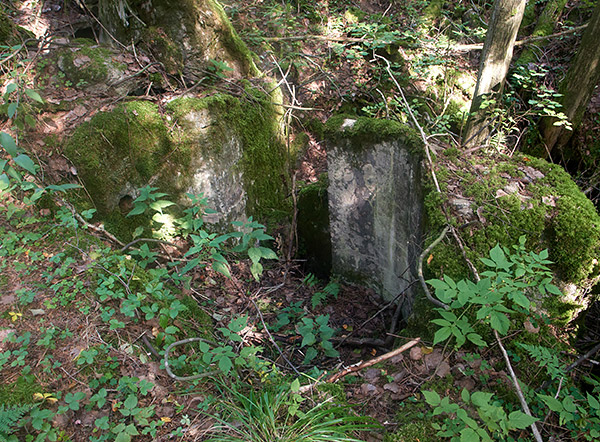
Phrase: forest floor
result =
(49, 270)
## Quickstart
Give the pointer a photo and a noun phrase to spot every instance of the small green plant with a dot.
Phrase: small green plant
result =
(10, 417)
(316, 334)
(460, 425)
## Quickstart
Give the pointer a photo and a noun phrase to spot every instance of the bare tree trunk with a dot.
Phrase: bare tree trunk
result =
(495, 60)
(578, 86)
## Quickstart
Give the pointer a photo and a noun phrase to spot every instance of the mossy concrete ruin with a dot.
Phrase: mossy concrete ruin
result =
(224, 147)
(495, 199)
(375, 204)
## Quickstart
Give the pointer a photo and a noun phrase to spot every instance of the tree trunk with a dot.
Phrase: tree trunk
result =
(495, 60)
(189, 37)
(544, 26)
(578, 86)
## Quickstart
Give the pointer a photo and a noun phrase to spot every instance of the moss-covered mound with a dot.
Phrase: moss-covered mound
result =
(225, 140)
(496, 199)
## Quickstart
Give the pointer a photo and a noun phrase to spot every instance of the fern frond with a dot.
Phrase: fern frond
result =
(10, 415)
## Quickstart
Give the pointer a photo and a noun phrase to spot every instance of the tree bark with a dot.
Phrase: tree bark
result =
(578, 86)
(544, 27)
(189, 37)
(495, 60)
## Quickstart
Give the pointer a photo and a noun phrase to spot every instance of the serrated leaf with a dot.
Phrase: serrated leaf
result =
(552, 403)
(308, 339)
(225, 365)
(476, 339)
(499, 322)
(26, 163)
(9, 144)
(441, 335)
(254, 254)
(520, 299)
(520, 420)
(34, 95)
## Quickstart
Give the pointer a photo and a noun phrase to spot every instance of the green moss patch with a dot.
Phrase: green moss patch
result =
(510, 197)
(368, 131)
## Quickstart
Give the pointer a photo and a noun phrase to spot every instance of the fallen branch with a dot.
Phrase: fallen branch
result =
(374, 361)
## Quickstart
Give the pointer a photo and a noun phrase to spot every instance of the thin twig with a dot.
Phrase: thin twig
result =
(273, 340)
(135, 241)
(534, 429)
(420, 268)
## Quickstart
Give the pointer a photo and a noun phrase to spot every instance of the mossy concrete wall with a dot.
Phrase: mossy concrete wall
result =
(375, 204)
(226, 148)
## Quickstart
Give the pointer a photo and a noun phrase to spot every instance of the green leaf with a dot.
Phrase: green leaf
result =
(497, 255)
(9, 144)
(469, 435)
(295, 386)
(34, 95)
(4, 182)
(432, 398)
(12, 109)
(268, 253)
(160, 204)
(520, 420)
(552, 403)
(441, 335)
(520, 299)
(476, 339)
(131, 401)
(465, 396)
(225, 365)
(137, 210)
(223, 269)
(254, 254)
(553, 289)
(488, 262)
(11, 88)
(308, 339)
(499, 322)
(62, 187)
(594, 403)
(123, 437)
(26, 163)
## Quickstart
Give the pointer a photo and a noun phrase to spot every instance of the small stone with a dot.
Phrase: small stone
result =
(37, 311)
(443, 369)
(368, 389)
(416, 353)
(392, 386)
(397, 359)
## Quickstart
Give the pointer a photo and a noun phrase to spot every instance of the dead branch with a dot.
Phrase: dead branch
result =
(374, 361)
(420, 269)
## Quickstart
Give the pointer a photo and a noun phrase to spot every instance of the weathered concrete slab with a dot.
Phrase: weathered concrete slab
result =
(375, 206)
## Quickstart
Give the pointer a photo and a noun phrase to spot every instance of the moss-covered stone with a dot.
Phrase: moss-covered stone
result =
(86, 64)
(363, 131)
(510, 197)
(118, 152)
